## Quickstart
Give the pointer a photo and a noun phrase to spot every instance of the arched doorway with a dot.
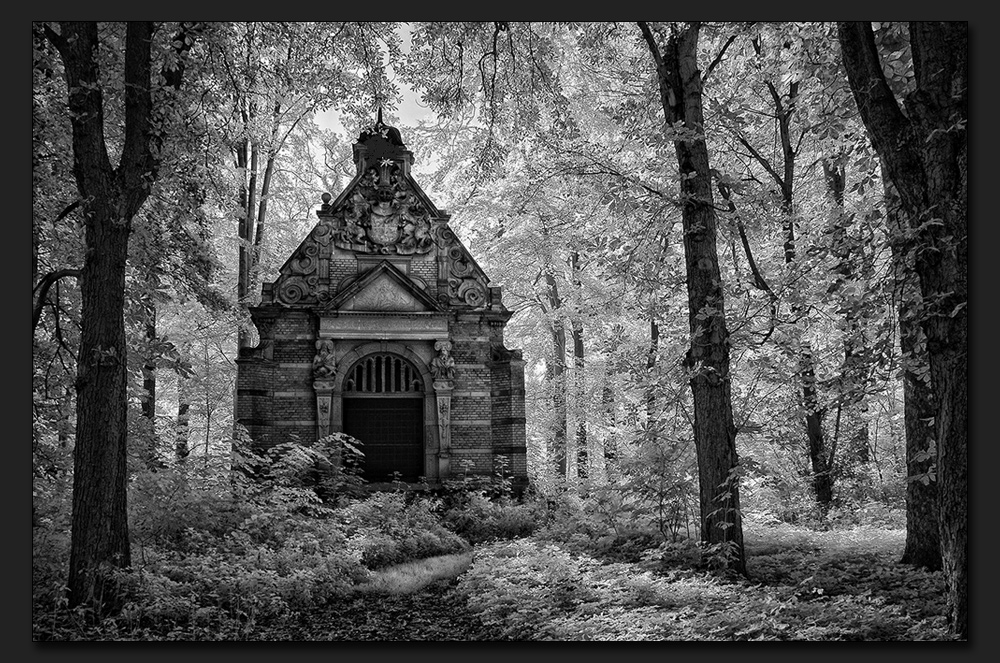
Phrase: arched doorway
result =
(383, 407)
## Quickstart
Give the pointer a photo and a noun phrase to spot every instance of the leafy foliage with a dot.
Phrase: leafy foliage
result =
(533, 590)
(478, 518)
(392, 530)
(213, 564)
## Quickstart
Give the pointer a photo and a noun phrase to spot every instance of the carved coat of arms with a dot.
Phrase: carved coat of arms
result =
(384, 215)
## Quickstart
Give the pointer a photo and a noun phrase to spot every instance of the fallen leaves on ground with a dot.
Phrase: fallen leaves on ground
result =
(434, 613)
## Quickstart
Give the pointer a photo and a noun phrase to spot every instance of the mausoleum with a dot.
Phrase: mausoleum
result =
(382, 325)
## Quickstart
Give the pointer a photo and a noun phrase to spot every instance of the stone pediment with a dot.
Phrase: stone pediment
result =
(383, 288)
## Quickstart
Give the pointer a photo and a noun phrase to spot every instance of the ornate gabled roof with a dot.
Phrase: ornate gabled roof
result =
(382, 211)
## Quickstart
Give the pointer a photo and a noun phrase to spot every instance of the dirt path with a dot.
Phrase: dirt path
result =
(433, 613)
(408, 602)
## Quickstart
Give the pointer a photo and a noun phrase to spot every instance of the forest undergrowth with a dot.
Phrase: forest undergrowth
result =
(472, 566)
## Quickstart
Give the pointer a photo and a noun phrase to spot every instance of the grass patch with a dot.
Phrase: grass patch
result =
(413, 576)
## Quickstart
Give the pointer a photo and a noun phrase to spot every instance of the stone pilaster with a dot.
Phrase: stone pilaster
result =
(442, 392)
(324, 400)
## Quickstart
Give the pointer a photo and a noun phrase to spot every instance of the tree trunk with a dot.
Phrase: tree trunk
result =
(99, 538)
(65, 417)
(148, 400)
(556, 373)
(182, 430)
(582, 452)
(609, 410)
(609, 447)
(819, 449)
(708, 356)
(99, 533)
(579, 377)
(260, 226)
(853, 370)
(99, 523)
(653, 422)
(149, 364)
(243, 240)
(923, 543)
(925, 152)
(251, 246)
(820, 456)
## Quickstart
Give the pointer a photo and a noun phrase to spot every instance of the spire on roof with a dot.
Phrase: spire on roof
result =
(379, 143)
(390, 134)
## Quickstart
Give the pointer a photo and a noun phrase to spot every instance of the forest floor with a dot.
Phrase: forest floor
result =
(802, 585)
(431, 613)
(406, 602)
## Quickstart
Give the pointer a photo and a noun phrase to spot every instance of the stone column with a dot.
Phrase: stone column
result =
(443, 367)
(324, 369)
(442, 390)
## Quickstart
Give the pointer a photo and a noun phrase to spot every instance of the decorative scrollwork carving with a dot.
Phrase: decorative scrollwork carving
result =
(322, 234)
(472, 292)
(307, 259)
(446, 237)
(293, 290)
(466, 284)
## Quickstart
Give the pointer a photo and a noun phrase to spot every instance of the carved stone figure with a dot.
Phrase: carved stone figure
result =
(324, 363)
(443, 365)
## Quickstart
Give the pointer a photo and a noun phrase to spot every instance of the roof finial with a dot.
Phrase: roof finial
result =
(379, 115)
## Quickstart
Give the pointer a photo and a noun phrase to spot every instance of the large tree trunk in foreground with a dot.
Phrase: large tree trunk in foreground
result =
(99, 534)
(925, 152)
(923, 542)
(708, 356)
(99, 523)
(112, 196)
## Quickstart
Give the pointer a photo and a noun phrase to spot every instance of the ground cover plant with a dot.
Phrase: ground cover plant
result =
(840, 586)
(393, 566)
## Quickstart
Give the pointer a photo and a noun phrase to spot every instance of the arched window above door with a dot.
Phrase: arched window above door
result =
(383, 373)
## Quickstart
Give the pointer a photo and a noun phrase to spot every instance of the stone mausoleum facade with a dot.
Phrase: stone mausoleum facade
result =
(382, 325)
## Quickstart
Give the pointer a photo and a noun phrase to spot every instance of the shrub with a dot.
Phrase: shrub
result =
(477, 518)
(390, 531)
(167, 506)
(603, 523)
(330, 467)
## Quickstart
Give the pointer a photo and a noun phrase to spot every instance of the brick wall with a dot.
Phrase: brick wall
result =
(277, 403)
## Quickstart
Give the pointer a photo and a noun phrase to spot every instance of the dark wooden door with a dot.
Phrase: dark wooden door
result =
(392, 432)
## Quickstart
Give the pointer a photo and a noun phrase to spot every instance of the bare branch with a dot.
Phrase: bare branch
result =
(41, 291)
